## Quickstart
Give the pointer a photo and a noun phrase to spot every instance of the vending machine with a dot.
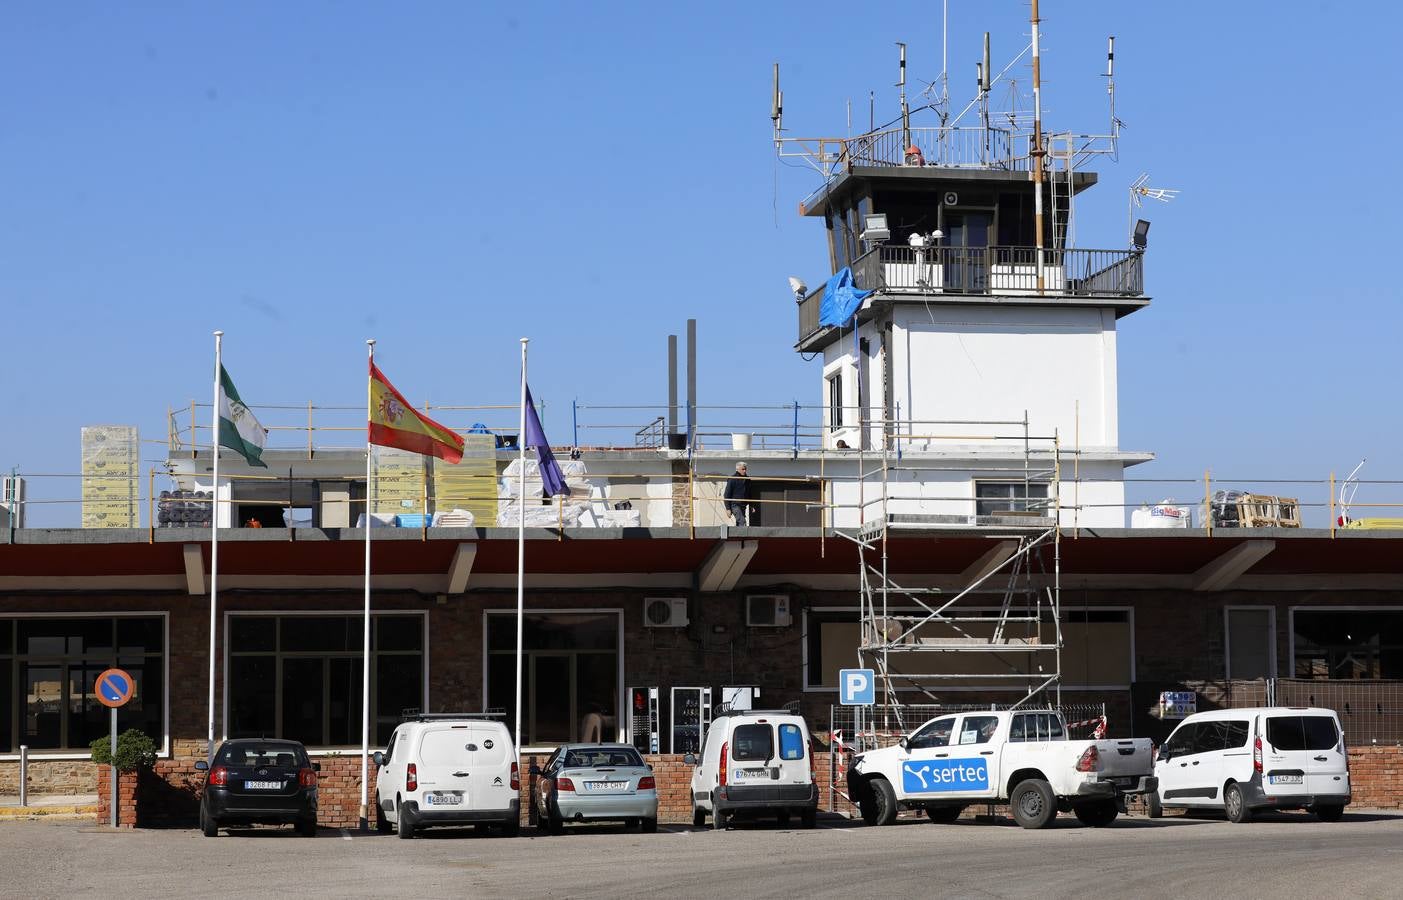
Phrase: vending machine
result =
(691, 716)
(643, 721)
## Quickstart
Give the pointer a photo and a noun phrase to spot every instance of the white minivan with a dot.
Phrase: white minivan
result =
(755, 762)
(1240, 760)
(448, 769)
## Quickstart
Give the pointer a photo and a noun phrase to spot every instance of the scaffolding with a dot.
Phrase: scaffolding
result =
(904, 629)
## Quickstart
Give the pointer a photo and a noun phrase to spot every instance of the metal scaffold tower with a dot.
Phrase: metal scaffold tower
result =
(1002, 627)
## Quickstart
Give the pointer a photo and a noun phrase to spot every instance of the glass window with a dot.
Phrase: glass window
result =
(245, 754)
(791, 742)
(1348, 644)
(299, 677)
(752, 743)
(936, 734)
(609, 757)
(1320, 732)
(48, 669)
(835, 400)
(1209, 737)
(1234, 734)
(570, 680)
(1302, 732)
(978, 729)
(1035, 727)
(1182, 740)
(994, 497)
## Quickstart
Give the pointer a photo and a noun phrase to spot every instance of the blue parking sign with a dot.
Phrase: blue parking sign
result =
(856, 687)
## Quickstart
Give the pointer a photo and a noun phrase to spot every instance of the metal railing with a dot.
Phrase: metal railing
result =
(984, 271)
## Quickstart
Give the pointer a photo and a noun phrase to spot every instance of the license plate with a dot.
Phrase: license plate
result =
(752, 774)
(606, 785)
(1285, 779)
(262, 785)
(443, 798)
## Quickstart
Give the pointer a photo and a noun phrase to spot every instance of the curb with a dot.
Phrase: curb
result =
(34, 812)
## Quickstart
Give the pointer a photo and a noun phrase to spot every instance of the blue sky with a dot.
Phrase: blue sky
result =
(449, 177)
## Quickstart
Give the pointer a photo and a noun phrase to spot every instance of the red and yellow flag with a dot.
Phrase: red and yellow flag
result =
(394, 423)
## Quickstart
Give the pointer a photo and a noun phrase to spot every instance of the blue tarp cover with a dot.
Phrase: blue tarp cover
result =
(841, 299)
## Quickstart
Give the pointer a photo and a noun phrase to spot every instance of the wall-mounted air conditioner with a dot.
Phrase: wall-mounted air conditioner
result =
(665, 612)
(767, 611)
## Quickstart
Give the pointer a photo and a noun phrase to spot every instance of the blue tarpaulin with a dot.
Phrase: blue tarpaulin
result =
(841, 299)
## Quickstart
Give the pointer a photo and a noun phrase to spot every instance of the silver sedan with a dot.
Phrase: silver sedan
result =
(596, 782)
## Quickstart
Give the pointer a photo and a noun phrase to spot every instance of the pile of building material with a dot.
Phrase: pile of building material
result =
(1238, 509)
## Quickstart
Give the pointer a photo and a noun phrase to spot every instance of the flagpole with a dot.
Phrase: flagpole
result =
(365, 631)
(520, 540)
(214, 540)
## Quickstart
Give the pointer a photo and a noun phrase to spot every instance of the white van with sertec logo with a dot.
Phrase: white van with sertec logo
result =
(755, 762)
(448, 769)
(1240, 760)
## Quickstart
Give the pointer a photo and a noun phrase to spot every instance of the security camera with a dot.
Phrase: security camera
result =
(800, 289)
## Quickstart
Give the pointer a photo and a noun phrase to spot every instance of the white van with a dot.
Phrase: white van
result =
(1240, 760)
(448, 769)
(755, 762)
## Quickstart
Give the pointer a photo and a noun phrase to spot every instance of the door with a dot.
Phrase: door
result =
(927, 757)
(1300, 751)
(966, 250)
(445, 767)
(1176, 769)
(490, 774)
(390, 775)
(975, 763)
(550, 692)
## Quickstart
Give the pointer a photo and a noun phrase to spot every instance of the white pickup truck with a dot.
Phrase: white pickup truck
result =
(1021, 757)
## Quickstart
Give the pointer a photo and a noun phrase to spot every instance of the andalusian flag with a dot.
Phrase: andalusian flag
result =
(238, 429)
(394, 423)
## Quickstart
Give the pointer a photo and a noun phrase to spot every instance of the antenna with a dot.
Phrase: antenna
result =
(777, 105)
(905, 112)
(1036, 151)
(1139, 192)
(1350, 485)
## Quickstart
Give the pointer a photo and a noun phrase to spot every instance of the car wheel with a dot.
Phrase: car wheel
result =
(719, 820)
(943, 815)
(382, 824)
(698, 817)
(1033, 803)
(1098, 814)
(1332, 813)
(307, 827)
(648, 826)
(404, 825)
(1153, 808)
(1235, 804)
(207, 825)
(808, 818)
(883, 803)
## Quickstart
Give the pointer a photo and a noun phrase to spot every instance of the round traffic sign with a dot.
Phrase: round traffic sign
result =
(114, 688)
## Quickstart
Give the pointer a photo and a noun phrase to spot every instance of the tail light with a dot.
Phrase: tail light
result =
(1257, 755)
(1089, 758)
(647, 783)
(219, 776)
(516, 777)
(721, 770)
(564, 784)
(813, 770)
(307, 777)
(411, 777)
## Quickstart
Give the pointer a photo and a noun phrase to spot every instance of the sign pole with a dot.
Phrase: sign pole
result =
(114, 767)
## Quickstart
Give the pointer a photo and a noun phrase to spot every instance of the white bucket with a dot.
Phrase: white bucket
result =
(740, 442)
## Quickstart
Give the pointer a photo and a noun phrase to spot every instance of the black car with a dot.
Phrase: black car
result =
(259, 781)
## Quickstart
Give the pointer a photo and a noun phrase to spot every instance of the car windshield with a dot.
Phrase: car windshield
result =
(596, 757)
(261, 756)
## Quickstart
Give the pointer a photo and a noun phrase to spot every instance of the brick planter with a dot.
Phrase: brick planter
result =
(127, 804)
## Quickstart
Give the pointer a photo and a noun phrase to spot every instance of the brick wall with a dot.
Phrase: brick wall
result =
(126, 796)
(1376, 777)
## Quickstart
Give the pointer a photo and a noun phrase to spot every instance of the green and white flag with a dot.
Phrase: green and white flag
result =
(238, 428)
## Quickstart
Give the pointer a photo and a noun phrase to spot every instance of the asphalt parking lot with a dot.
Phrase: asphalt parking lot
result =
(1281, 856)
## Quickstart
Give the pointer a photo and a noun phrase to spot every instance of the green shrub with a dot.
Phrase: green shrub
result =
(135, 750)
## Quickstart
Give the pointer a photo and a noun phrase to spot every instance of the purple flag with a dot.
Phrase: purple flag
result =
(552, 480)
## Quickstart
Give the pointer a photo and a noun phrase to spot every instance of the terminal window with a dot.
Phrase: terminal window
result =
(49, 668)
(299, 677)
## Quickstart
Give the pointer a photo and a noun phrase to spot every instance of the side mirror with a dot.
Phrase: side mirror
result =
(201, 766)
(378, 758)
(690, 759)
(904, 743)
(316, 767)
(650, 766)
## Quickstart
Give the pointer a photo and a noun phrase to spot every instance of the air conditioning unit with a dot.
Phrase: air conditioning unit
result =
(767, 611)
(952, 198)
(665, 612)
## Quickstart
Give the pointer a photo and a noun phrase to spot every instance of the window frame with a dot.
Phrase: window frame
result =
(164, 750)
(1291, 632)
(358, 655)
(975, 482)
(1271, 643)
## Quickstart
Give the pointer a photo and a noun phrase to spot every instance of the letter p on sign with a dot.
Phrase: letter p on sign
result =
(856, 687)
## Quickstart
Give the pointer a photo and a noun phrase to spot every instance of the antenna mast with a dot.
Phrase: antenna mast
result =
(1036, 152)
(905, 112)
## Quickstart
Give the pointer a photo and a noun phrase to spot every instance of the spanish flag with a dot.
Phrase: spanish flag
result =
(394, 423)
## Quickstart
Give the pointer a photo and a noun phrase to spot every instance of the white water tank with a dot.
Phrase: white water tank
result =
(1162, 515)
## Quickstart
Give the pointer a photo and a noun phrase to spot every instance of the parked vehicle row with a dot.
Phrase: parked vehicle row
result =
(462, 770)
